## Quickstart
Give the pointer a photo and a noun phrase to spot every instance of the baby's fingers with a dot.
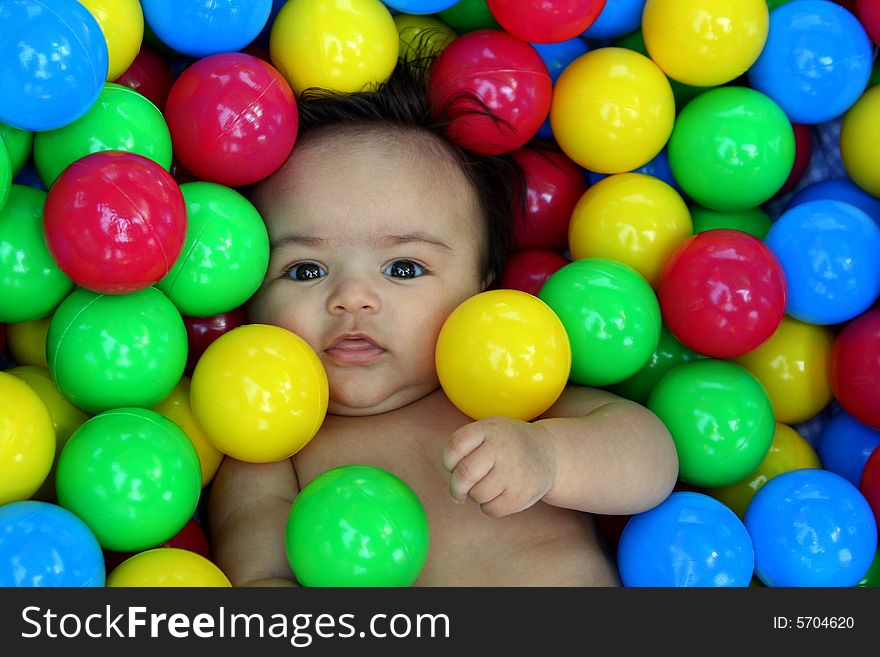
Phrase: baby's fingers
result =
(469, 472)
(461, 443)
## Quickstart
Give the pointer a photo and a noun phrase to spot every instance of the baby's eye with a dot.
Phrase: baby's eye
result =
(403, 269)
(306, 271)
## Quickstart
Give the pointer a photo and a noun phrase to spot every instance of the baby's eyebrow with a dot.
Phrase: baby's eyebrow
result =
(409, 238)
(301, 240)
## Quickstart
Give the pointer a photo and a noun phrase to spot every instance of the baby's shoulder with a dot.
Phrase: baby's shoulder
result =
(577, 400)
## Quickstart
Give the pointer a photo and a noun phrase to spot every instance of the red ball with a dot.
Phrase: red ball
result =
(855, 368)
(803, 150)
(202, 331)
(149, 75)
(870, 483)
(192, 537)
(500, 71)
(545, 21)
(554, 185)
(527, 270)
(233, 119)
(115, 222)
(722, 293)
(868, 12)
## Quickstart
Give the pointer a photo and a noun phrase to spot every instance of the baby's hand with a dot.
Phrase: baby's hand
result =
(504, 465)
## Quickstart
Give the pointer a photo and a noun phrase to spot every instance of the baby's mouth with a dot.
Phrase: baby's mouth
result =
(354, 349)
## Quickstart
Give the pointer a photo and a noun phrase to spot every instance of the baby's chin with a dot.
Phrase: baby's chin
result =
(354, 402)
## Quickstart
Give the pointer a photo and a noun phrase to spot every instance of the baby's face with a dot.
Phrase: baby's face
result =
(373, 245)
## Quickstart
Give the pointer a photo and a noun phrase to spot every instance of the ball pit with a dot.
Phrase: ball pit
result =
(122, 23)
(545, 21)
(165, 566)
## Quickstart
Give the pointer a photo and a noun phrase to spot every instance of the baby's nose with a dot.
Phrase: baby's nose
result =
(353, 295)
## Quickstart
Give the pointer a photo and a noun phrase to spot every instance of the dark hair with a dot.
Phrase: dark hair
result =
(404, 101)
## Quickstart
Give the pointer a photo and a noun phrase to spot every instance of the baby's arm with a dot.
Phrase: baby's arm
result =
(591, 451)
(247, 511)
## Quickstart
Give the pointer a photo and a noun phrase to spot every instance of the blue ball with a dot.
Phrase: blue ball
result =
(816, 62)
(199, 29)
(420, 6)
(618, 17)
(845, 446)
(266, 32)
(54, 63)
(43, 544)
(828, 251)
(690, 539)
(657, 167)
(838, 189)
(811, 528)
(557, 56)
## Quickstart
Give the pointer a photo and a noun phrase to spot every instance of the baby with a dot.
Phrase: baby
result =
(380, 226)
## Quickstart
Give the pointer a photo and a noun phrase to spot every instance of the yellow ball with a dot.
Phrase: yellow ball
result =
(167, 567)
(26, 341)
(27, 440)
(792, 365)
(343, 45)
(122, 22)
(260, 393)
(422, 35)
(612, 110)
(860, 141)
(705, 42)
(503, 352)
(176, 407)
(788, 451)
(633, 218)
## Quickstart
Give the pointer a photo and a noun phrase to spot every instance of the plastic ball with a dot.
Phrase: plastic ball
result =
(42, 544)
(803, 151)
(167, 567)
(26, 341)
(65, 67)
(720, 419)
(788, 451)
(860, 139)
(811, 528)
(115, 222)
(343, 45)
(28, 446)
(617, 18)
(260, 393)
(793, 367)
(19, 144)
(854, 368)
(31, 283)
(545, 21)
(107, 351)
(527, 270)
(149, 75)
(869, 485)
(705, 42)
(6, 176)
(422, 36)
(828, 250)
(503, 352)
(868, 13)
(612, 110)
(202, 331)
(838, 189)
(469, 15)
(557, 56)
(420, 6)
(132, 476)
(122, 23)
(611, 316)
(500, 71)
(732, 148)
(357, 525)
(872, 577)
(689, 539)
(722, 293)
(754, 221)
(635, 219)
(200, 29)
(816, 62)
(845, 446)
(225, 255)
(191, 537)
(553, 186)
(658, 167)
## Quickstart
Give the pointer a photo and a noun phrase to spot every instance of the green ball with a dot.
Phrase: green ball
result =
(121, 119)
(357, 525)
(754, 221)
(19, 143)
(31, 283)
(225, 255)
(132, 476)
(720, 418)
(871, 579)
(107, 351)
(731, 148)
(611, 315)
(469, 15)
(5, 174)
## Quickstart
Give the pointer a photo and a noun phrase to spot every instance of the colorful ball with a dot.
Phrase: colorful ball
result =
(422, 36)
(132, 476)
(845, 446)
(42, 544)
(497, 70)
(528, 269)
(689, 539)
(720, 419)
(26, 341)
(122, 23)
(469, 15)
(343, 45)
(233, 118)
(811, 528)
(19, 143)
(31, 283)
(557, 56)
(357, 525)
(838, 189)
(149, 75)
(503, 352)
(854, 368)
(107, 351)
(860, 141)
(545, 21)
(635, 219)
(816, 62)
(869, 485)
(611, 316)
(732, 148)
(828, 250)
(260, 393)
(65, 67)
(803, 151)
(202, 331)
(722, 293)
(167, 567)
(115, 222)
(705, 42)
(617, 18)
(420, 6)
(612, 110)
(868, 13)
(754, 221)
